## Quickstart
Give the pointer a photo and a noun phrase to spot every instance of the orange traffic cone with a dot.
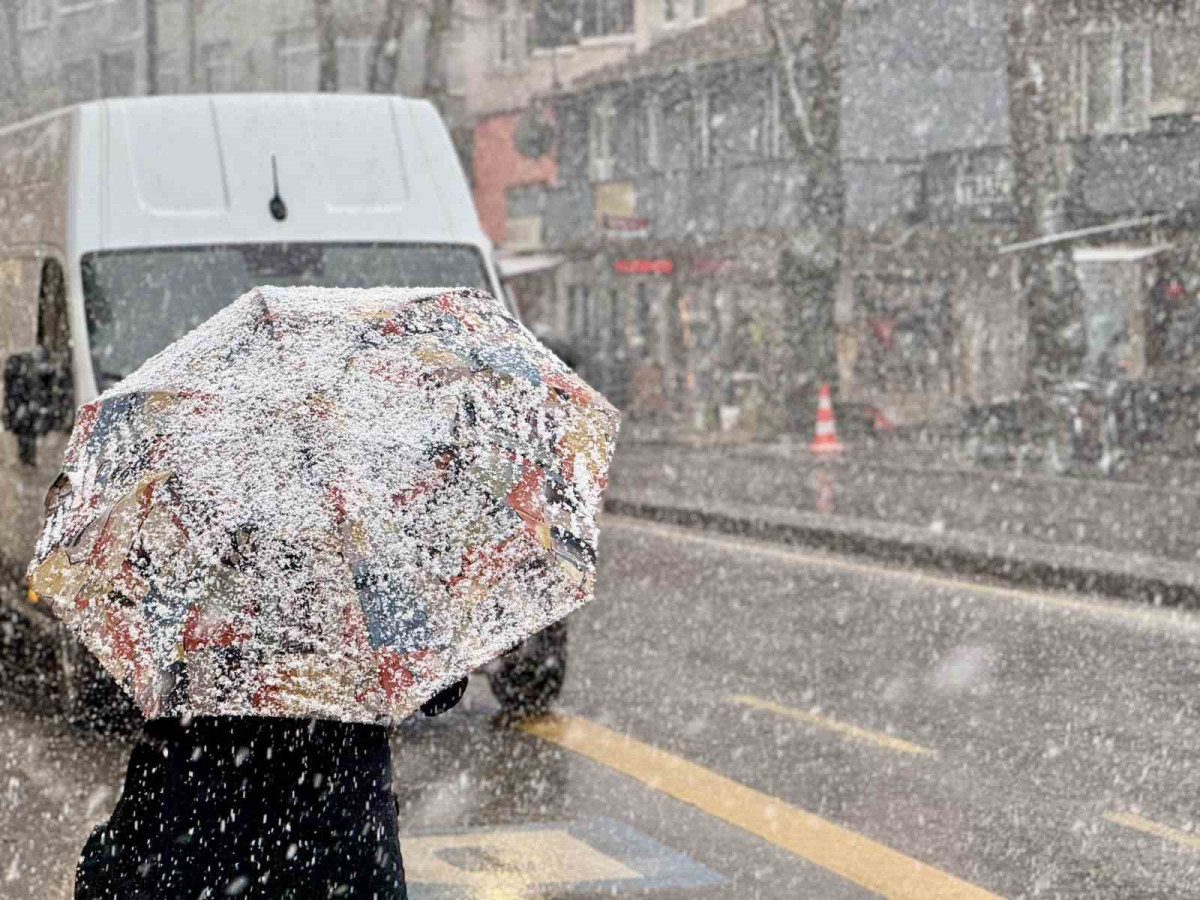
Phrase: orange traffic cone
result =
(826, 440)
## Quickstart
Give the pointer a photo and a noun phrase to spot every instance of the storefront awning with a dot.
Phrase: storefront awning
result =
(1065, 236)
(526, 264)
(1118, 253)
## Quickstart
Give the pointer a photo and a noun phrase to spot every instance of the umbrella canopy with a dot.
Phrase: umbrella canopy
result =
(327, 503)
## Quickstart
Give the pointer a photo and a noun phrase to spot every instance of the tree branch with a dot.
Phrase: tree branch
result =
(796, 116)
(385, 52)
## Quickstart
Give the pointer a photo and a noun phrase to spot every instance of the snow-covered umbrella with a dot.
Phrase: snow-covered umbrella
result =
(326, 503)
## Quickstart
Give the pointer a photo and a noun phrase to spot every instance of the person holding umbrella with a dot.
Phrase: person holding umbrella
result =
(309, 518)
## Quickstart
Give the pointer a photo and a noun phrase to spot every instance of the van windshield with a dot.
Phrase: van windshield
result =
(139, 301)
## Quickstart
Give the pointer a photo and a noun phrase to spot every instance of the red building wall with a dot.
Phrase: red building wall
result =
(497, 165)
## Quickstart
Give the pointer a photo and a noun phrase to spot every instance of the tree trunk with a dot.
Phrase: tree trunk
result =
(14, 89)
(151, 27)
(433, 87)
(1034, 181)
(793, 109)
(327, 78)
(190, 10)
(385, 52)
(808, 67)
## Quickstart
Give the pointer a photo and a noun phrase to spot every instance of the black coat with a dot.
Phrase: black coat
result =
(252, 808)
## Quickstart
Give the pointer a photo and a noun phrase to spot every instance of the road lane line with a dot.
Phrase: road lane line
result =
(844, 852)
(1156, 617)
(878, 738)
(1132, 820)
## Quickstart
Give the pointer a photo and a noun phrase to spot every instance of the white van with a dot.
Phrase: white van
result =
(125, 223)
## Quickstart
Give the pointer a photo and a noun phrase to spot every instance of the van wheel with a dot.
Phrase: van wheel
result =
(88, 696)
(528, 679)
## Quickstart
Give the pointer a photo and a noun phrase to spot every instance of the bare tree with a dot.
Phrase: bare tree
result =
(795, 114)
(808, 67)
(190, 11)
(385, 51)
(327, 73)
(150, 18)
(441, 20)
(14, 87)
(1035, 183)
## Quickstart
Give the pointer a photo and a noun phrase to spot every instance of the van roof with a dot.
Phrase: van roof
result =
(202, 169)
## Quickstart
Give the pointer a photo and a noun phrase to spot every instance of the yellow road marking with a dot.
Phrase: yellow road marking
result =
(879, 738)
(1176, 620)
(1132, 820)
(840, 850)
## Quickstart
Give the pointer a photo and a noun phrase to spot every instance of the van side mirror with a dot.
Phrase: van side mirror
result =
(38, 399)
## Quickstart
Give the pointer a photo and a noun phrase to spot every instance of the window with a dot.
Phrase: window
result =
(616, 334)
(668, 11)
(1117, 82)
(677, 136)
(739, 121)
(34, 14)
(554, 23)
(650, 125)
(128, 322)
(510, 35)
(604, 17)
(72, 5)
(216, 68)
(600, 140)
(699, 9)
(557, 23)
(579, 313)
(585, 316)
(297, 61)
(641, 338)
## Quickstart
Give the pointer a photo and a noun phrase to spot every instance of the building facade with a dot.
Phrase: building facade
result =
(1106, 140)
(677, 194)
(928, 320)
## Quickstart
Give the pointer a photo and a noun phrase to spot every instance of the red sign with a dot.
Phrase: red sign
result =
(644, 266)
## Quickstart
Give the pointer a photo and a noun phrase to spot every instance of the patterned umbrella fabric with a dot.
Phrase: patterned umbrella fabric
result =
(327, 503)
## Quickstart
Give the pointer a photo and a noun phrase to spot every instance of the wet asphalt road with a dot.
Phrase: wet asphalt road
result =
(1014, 744)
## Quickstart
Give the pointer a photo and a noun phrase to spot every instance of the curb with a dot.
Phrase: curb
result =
(900, 545)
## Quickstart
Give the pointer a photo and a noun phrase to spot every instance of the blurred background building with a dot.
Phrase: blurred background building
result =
(725, 203)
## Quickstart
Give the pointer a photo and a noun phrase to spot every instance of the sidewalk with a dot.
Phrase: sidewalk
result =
(1136, 537)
